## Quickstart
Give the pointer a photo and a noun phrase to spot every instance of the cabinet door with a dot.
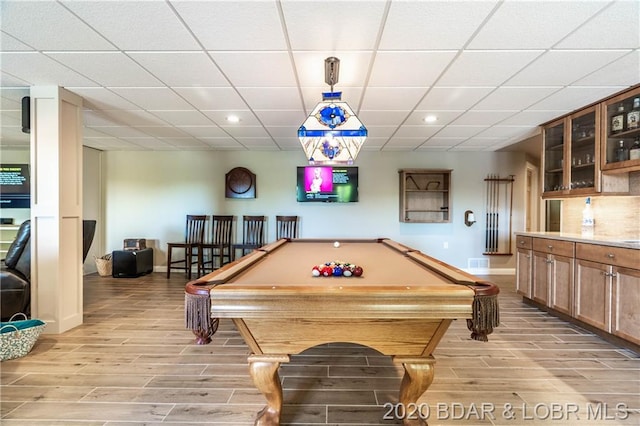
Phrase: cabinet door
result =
(523, 271)
(554, 146)
(619, 126)
(593, 294)
(424, 196)
(583, 157)
(625, 309)
(561, 284)
(540, 279)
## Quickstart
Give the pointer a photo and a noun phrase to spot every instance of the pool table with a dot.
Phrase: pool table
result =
(401, 306)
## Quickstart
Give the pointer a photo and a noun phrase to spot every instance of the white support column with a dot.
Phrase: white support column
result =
(56, 208)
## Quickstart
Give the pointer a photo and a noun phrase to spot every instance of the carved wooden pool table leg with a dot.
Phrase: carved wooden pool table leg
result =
(264, 372)
(418, 375)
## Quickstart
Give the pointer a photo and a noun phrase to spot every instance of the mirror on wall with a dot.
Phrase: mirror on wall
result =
(553, 215)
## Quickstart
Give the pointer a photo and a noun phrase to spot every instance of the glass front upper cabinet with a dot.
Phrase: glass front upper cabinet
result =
(554, 146)
(583, 157)
(621, 133)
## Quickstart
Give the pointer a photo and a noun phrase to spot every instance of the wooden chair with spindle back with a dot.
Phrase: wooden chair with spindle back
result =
(217, 252)
(252, 234)
(192, 245)
(286, 227)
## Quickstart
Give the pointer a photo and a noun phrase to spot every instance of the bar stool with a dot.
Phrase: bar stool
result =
(220, 245)
(193, 240)
(286, 227)
(252, 235)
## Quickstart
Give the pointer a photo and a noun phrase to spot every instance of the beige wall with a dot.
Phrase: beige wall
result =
(148, 194)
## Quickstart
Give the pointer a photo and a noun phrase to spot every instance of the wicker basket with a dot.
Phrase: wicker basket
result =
(18, 337)
(104, 265)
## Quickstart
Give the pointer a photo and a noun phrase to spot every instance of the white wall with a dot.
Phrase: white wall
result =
(148, 194)
(92, 203)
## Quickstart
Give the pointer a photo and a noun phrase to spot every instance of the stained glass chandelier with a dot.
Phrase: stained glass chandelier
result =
(332, 134)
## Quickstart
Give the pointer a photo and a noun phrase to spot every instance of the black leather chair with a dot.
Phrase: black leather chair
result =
(15, 275)
(15, 270)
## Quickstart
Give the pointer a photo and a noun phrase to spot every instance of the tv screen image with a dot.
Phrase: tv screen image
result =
(14, 186)
(337, 184)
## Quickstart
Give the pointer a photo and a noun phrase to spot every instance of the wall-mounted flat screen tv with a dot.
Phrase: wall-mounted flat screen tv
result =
(15, 187)
(332, 184)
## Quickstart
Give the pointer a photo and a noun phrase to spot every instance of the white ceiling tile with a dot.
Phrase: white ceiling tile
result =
(162, 132)
(100, 98)
(471, 118)
(442, 117)
(380, 131)
(624, 71)
(617, 26)
(135, 25)
(246, 131)
(486, 68)
(203, 131)
(391, 98)
(563, 67)
(40, 70)
(118, 131)
(234, 25)
(503, 132)
(424, 131)
(150, 143)
(191, 69)
(184, 118)
(247, 118)
(433, 25)
(132, 118)
(275, 98)
(9, 44)
(257, 143)
(182, 142)
(106, 68)
(256, 69)
(284, 132)
(478, 142)
(351, 25)
(48, 25)
(461, 131)
(453, 98)
(403, 143)
(313, 95)
(514, 98)
(533, 24)
(525, 118)
(290, 118)
(383, 118)
(572, 98)
(212, 98)
(443, 141)
(7, 80)
(112, 144)
(153, 98)
(410, 69)
(222, 143)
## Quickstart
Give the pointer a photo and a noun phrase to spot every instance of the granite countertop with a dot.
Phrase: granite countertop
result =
(625, 242)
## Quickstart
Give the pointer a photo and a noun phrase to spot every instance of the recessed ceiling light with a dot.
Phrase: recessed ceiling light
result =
(430, 119)
(233, 119)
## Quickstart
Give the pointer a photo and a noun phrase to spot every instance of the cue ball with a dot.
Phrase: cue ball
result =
(336, 244)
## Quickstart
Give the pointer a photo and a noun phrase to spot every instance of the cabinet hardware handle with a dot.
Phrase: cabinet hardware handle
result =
(550, 247)
(611, 255)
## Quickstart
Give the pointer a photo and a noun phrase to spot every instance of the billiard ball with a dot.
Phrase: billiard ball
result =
(337, 271)
(357, 271)
(315, 271)
(336, 244)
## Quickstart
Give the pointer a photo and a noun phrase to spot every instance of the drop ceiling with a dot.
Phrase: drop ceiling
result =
(165, 75)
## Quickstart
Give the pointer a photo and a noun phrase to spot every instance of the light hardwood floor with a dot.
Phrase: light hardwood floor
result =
(133, 363)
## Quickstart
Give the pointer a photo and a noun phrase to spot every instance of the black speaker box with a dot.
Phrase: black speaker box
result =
(26, 114)
(132, 263)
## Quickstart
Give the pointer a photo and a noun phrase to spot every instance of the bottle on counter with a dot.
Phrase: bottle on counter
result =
(634, 151)
(588, 222)
(617, 121)
(633, 116)
(622, 154)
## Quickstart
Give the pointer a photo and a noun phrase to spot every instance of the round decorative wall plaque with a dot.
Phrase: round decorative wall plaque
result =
(240, 183)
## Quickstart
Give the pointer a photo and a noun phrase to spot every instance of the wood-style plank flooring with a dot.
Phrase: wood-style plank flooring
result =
(133, 363)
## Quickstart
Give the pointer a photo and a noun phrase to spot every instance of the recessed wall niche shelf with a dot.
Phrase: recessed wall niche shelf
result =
(424, 195)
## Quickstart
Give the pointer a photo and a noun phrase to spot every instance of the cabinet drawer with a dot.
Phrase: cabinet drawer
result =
(523, 242)
(560, 248)
(617, 256)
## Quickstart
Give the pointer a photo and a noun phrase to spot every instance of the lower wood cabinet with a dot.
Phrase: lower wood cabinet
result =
(524, 266)
(552, 279)
(597, 284)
